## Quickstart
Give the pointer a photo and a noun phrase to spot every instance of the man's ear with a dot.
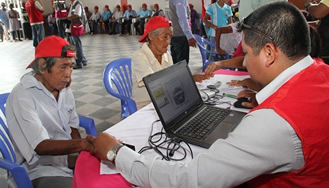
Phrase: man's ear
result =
(42, 65)
(270, 51)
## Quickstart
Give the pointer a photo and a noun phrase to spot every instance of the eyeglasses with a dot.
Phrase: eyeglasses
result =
(243, 25)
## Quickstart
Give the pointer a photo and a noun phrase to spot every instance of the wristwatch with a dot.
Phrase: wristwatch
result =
(113, 152)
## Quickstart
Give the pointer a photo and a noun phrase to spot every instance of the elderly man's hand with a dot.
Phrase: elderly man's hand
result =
(102, 144)
(192, 42)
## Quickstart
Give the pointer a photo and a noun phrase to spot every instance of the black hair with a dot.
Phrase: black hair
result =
(284, 24)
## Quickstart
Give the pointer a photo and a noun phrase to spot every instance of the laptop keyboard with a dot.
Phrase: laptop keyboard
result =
(203, 123)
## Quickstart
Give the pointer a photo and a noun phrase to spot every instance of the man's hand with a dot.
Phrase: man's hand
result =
(221, 51)
(102, 144)
(248, 94)
(192, 42)
(248, 83)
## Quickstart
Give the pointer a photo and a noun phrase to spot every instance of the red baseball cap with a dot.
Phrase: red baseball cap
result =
(86, 8)
(144, 5)
(156, 5)
(52, 47)
(154, 23)
(118, 6)
(106, 6)
(190, 5)
(96, 7)
(129, 5)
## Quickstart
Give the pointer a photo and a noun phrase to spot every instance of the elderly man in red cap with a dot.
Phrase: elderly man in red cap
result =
(94, 19)
(42, 119)
(116, 18)
(104, 21)
(151, 57)
(157, 11)
(141, 19)
(127, 19)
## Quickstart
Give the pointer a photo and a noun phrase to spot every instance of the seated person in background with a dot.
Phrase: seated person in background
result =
(117, 15)
(94, 19)
(157, 11)
(141, 19)
(88, 13)
(127, 19)
(227, 39)
(151, 57)
(281, 143)
(41, 116)
(104, 21)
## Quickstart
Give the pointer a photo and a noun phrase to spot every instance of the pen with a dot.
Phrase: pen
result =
(230, 96)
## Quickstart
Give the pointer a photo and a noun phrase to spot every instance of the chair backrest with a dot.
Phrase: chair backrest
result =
(118, 82)
(6, 146)
(203, 51)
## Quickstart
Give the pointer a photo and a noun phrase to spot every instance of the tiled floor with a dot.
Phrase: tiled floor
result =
(92, 100)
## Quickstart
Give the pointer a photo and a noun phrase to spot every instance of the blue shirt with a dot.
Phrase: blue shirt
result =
(107, 14)
(219, 16)
(131, 13)
(4, 16)
(144, 13)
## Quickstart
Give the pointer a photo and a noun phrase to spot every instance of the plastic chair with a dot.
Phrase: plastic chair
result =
(117, 79)
(88, 124)
(8, 160)
(202, 47)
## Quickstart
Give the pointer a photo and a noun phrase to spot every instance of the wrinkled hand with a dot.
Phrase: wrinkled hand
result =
(192, 42)
(88, 143)
(102, 144)
(210, 69)
(248, 94)
(201, 77)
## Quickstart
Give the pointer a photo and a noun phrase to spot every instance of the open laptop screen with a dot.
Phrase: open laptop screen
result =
(173, 91)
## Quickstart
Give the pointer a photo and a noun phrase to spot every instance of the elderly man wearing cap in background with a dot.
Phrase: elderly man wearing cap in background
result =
(127, 19)
(151, 57)
(141, 16)
(157, 11)
(178, 13)
(116, 18)
(41, 116)
(104, 22)
(93, 20)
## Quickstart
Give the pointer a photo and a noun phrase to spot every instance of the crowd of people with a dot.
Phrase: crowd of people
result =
(279, 143)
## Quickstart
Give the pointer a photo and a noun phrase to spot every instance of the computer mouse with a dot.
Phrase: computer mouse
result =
(238, 103)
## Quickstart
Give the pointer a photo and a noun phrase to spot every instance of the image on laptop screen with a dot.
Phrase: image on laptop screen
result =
(174, 93)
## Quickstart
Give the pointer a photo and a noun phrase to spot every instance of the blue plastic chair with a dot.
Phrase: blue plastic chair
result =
(118, 83)
(203, 50)
(8, 162)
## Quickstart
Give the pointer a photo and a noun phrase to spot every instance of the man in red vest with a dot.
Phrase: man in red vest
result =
(281, 143)
(35, 9)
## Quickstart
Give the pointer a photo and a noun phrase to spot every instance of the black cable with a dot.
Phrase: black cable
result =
(160, 140)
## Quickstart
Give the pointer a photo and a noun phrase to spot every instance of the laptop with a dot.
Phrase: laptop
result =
(179, 106)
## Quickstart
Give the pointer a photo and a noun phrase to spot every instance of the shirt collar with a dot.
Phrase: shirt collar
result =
(283, 77)
(150, 56)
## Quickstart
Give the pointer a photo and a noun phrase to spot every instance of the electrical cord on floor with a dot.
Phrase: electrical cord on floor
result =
(160, 140)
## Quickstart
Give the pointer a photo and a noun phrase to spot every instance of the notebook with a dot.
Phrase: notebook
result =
(179, 106)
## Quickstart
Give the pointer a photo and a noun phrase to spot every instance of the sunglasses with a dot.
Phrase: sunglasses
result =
(245, 26)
